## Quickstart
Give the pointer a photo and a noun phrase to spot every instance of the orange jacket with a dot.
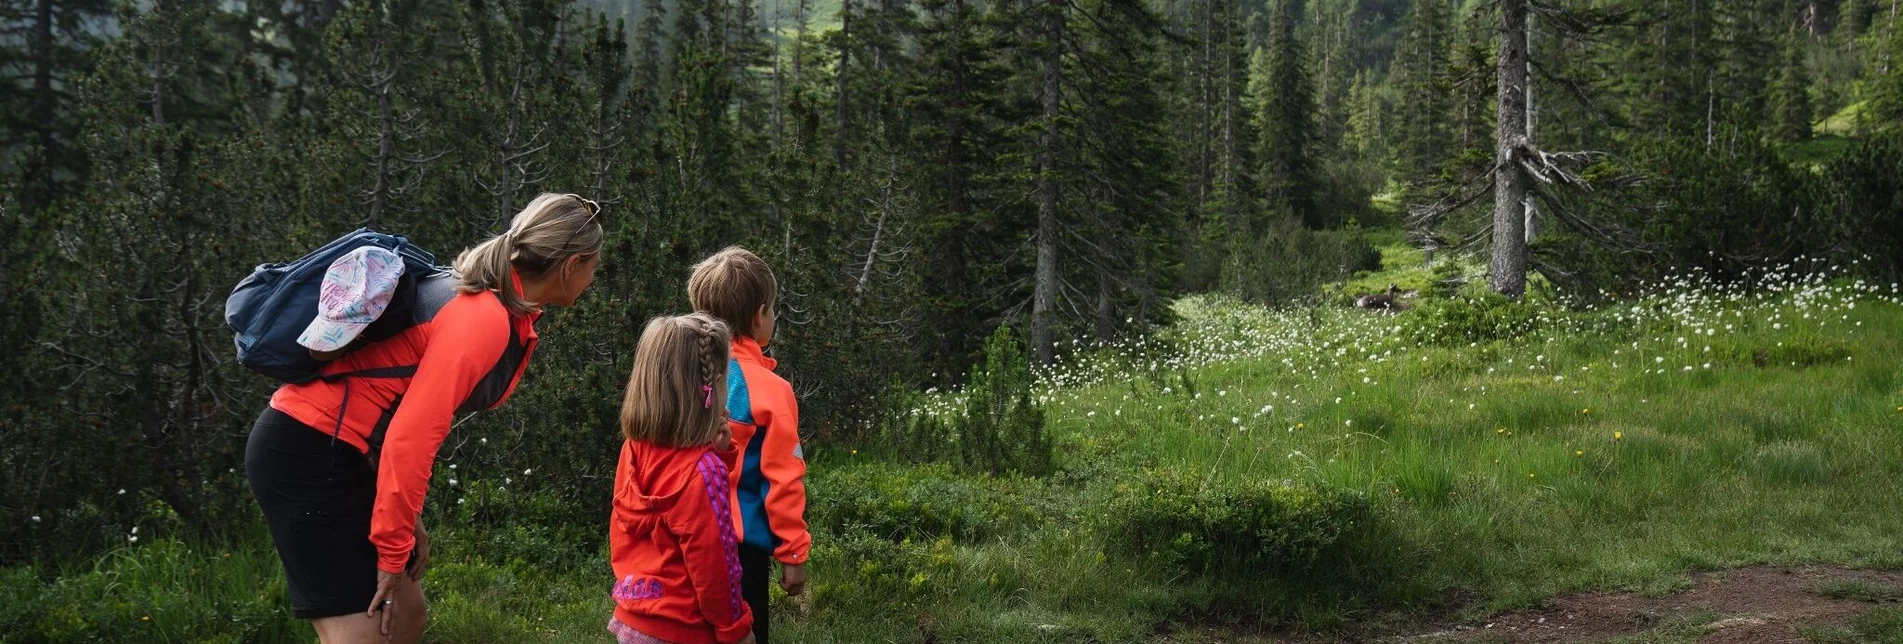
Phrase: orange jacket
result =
(769, 488)
(469, 356)
(671, 541)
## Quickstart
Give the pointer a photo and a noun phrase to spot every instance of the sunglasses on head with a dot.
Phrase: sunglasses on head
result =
(594, 210)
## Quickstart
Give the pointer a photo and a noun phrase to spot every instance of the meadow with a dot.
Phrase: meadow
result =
(1247, 473)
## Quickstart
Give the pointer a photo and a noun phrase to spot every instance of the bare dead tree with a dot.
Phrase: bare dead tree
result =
(394, 126)
(883, 224)
(518, 147)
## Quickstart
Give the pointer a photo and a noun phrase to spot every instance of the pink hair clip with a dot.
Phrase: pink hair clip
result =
(709, 404)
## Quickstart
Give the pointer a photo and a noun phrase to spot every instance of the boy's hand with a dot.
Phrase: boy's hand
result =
(723, 439)
(793, 578)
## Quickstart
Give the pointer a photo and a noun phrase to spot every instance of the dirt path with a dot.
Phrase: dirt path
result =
(1762, 604)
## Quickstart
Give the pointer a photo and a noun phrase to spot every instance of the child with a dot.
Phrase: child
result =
(736, 287)
(671, 537)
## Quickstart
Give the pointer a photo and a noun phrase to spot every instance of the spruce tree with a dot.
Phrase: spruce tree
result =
(1423, 137)
(47, 46)
(1792, 94)
(1284, 106)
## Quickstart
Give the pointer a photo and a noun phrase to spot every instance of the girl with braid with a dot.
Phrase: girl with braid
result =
(671, 537)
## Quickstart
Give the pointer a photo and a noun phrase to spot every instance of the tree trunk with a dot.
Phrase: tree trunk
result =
(45, 105)
(380, 83)
(845, 59)
(1510, 183)
(1044, 304)
(1532, 116)
(158, 78)
(1229, 159)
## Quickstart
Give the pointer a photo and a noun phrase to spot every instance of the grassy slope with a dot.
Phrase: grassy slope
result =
(1496, 464)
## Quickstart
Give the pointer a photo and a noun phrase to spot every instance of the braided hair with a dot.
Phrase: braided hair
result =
(677, 393)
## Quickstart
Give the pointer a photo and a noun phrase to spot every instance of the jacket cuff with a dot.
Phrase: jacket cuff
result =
(737, 631)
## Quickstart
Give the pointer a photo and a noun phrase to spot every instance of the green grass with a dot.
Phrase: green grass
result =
(1880, 626)
(1859, 590)
(1818, 150)
(1844, 123)
(1611, 449)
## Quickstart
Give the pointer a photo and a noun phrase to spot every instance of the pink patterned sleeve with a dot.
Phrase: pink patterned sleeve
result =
(713, 564)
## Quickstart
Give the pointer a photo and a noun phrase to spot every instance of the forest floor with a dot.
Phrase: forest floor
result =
(1755, 604)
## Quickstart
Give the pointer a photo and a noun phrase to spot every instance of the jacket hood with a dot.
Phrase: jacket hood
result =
(659, 477)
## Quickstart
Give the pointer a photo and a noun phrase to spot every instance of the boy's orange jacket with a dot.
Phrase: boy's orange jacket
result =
(671, 540)
(769, 487)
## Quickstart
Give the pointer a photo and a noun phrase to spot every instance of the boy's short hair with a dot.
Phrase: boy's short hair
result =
(732, 285)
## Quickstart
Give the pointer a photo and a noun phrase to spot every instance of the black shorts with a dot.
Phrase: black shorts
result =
(316, 495)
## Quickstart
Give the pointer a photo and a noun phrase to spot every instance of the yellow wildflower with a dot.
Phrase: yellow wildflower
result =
(1618, 436)
(1579, 452)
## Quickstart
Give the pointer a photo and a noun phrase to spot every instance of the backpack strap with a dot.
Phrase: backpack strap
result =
(374, 443)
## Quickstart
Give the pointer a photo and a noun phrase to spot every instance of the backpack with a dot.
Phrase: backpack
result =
(271, 307)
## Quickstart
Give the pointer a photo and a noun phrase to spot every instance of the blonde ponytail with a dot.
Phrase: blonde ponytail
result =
(548, 231)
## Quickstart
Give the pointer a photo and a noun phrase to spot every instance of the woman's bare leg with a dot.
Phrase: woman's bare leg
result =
(411, 615)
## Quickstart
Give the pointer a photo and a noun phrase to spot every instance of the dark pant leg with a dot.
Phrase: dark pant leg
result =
(756, 567)
(316, 495)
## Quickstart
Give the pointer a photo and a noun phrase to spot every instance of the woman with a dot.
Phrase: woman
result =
(343, 513)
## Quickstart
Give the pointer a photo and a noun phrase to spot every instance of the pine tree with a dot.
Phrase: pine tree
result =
(1284, 106)
(1368, 129)
(606, 84)
(961, 109)
(1213, 129)
(144, 354)
(1747, 57)
(1473, 78)
(1670, 81)
(1128, 190)
(373, 108)
(46, 47)
(1333, 56)
(1420, 67)
(1884, 87)
(1792, 94)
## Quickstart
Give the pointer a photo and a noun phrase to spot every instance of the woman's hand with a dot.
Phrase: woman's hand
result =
(419, 556)
(382, 607)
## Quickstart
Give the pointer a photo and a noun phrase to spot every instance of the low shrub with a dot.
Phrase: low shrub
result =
(1467, 319)
(899, 503)
(1291, 534)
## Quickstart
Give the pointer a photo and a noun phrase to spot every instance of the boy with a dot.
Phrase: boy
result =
(769, 507)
